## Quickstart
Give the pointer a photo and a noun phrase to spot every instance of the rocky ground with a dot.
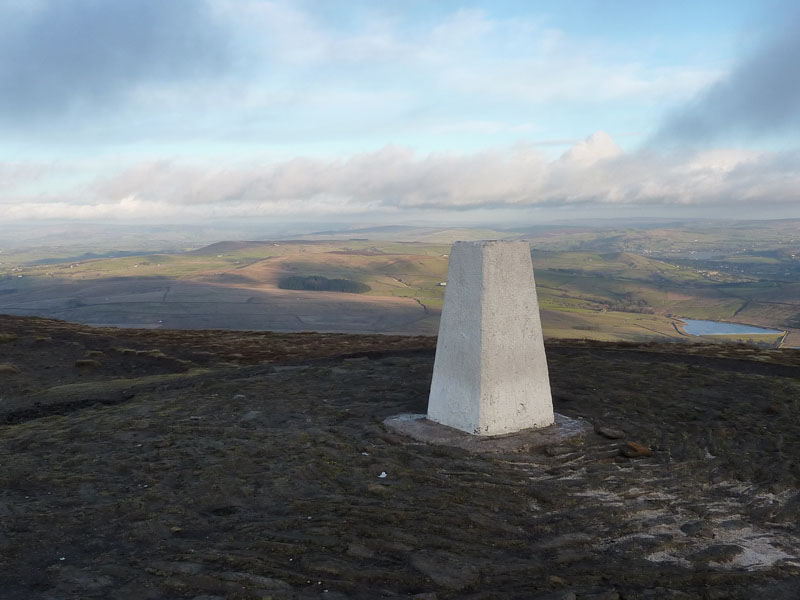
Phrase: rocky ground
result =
(168, 464)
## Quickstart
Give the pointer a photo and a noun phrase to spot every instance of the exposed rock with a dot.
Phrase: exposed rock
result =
(333, 595)
(379, 489)
(360, 551)
(560, 595)
(445, 568)
(565, 540)
(635, 450)
(718, 553)
(559, 450)
(608, 595)
(262, 582)
(698, 529)
(610, 433)
(87, 363)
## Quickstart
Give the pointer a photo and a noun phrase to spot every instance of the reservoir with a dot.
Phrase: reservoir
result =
(696, 327)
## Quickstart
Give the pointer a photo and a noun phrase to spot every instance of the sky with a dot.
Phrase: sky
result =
(387, 111)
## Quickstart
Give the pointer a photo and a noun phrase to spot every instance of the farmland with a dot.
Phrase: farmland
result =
(608, 284)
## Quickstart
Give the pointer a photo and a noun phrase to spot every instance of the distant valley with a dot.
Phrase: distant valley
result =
(627, 282)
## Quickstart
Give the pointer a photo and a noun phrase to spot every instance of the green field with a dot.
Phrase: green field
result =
(597, 287)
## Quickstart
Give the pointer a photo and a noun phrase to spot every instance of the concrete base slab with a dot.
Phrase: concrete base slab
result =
(421, 429)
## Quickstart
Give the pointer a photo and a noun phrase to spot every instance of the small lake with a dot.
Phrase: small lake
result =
(696, 327)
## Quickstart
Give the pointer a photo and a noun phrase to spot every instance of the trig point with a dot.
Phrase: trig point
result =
(490, 375)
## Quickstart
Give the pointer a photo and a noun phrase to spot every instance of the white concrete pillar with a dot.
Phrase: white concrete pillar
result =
(490, 375)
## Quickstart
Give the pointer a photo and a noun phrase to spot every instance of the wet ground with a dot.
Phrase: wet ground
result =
(217, 465)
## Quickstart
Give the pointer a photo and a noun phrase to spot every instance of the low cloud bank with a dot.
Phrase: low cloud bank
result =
(397, 181)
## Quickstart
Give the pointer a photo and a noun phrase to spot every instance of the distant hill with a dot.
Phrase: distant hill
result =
(610, 282)
(428, 235)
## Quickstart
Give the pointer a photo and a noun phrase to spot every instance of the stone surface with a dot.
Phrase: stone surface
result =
(490, 375)
(560, 595)
(563, 431)
(635, 450)
(446, 569)
(610, 433)
(718, 553)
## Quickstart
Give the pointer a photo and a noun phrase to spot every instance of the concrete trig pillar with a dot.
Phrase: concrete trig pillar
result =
(490, 375)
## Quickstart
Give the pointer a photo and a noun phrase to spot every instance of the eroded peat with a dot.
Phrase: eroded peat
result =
(262, 478)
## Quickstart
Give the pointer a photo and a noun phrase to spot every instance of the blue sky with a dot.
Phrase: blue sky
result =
(389, 111)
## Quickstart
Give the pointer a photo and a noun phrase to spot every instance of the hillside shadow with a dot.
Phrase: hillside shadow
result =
(163, 302)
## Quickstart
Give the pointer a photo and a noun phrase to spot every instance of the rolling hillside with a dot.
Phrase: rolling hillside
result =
(609, 295)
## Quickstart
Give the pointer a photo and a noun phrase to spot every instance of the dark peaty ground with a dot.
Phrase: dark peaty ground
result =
(166, 464)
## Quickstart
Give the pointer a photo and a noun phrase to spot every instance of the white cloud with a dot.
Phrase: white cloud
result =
(598, 146)
(398, 181)
(237, 67)
(16, 174)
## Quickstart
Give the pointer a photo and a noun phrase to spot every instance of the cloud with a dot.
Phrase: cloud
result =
(58, 56)
(759, 97)
(18, 174)
(397, 181)
(167, 71)
(598, 146)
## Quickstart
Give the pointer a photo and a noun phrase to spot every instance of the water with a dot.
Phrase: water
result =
(695, 327)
